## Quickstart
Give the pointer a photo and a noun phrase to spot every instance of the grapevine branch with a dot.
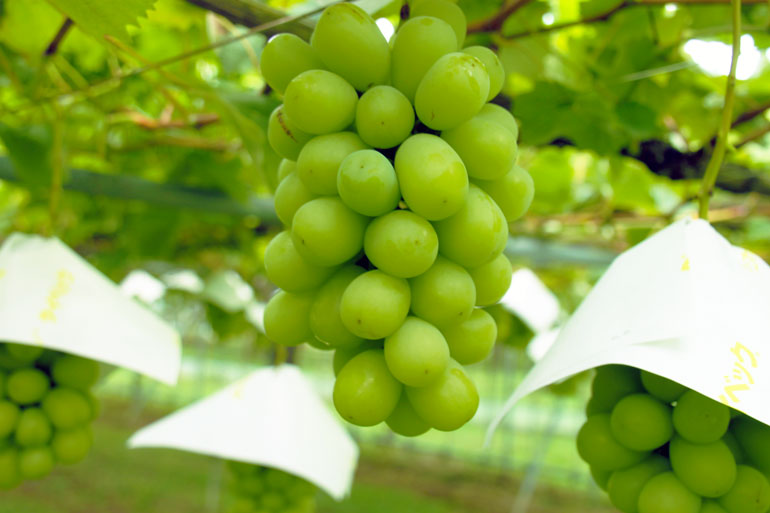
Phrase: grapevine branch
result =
(717, 157)
(58, 38)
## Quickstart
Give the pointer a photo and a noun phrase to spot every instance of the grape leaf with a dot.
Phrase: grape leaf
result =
(99, 18)
(30, 152)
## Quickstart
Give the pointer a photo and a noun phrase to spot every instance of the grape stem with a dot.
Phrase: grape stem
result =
(715, 163)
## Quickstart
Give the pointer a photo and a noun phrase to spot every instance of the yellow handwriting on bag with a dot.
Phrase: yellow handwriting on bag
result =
(63, 285)
(741, 379)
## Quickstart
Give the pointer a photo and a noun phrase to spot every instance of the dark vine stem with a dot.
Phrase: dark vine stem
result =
(715, 163)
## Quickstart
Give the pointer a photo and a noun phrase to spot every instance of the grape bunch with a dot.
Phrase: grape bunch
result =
(260, 489)
(656, 446)
(46, 409)
(396, 221)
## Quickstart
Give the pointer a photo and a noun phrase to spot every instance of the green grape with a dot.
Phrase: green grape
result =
(749, 494)
(449, 12)
(404, 420)
(641, 422)
(448, 403)
(731, 441)
(452, 91)
(33, 428)
(75, 372)
(432, 177)
(384, 117)
(343, 355)
(472, 340)
(417, 353)
(320, 102)
(291, 194)
(71, 445)
(7, 361)
(476, 234)
(624, 486)
(611, 384)
(700, 419)
(328, 233)
(284, 136)
(3, 378)
(284, 57)
(706, 469)
(66, 408)
(599, 448)
(285, 168)
(349, 42)
(492, 280)
(96, 406)
(664, 493)
(711, 507)
(286, 318)
(487, 149)
(325, 320)
(9, 417)
(27, 386)
(419, 43)
(320, 160)
(513, 193)
(318, 344)
(289, 271)
(663, 388)
(375, 304)
(277, 479)
(444, 294)
(35, 462)
(754, 438)
(365, 392)
(367, 183)
(24, 353)
(502, 116)
(401, 244)
(601, 477)
(493, 66)
(9, 468)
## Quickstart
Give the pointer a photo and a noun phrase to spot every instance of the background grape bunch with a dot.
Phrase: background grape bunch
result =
(656, 446)
(258, 489)
(396, 223)
(46, 409)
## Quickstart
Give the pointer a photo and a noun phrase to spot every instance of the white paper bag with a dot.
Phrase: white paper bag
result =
(50, 296)
(684, 304)
(272, 417)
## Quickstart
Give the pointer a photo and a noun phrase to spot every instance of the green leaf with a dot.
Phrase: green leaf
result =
(30, 152)
(99, 18)
(552, 173)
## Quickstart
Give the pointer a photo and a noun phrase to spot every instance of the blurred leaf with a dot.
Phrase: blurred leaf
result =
(100, 18)
(552, 173)
(30, 152)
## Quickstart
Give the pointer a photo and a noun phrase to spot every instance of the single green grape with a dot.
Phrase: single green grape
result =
(284, 57)
(641, 422)
(419, 42)
(367, 183)
(289, 270)
(472, 340)
(325, 319)
(749, 494)
(9, 468)
(284, 136)
(706, 469)
(24, 353)
(286, 318)
(432, 177)
(375, 304)
(450, 12)
(612, 383)
(663, 388)
(599, 448)
(384, 117)
(754, 438)
(320, 160)
(365, 392)
(320, 102)
(401, 243)
(285, 168)
(417, 353)
(66, 408)
(493, 66)
(492, 280)
(488, 150)
(326, 232)
(700, 419)
(71, 445)
(601, 477)
(444, 294)
(502, 116)
(404, 420)
(448, 403)
(291, 194)
(343, 355)
(624, 486)
(731, 441)
(513, 193)
(36, 462)
(33, 428)
(75, 372)
(9, 417)
(665, 493)
(476, 234)
(349, 42)
(27, 386)
(452, 91)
